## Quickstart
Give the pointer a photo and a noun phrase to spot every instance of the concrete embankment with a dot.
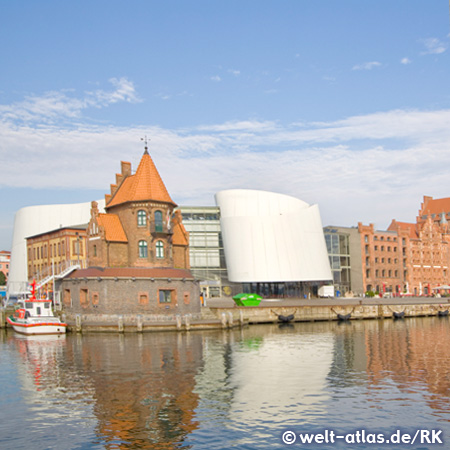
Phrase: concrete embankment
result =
(334, 309)
(223, 313)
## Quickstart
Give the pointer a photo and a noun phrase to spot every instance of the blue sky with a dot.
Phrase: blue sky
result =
(344, 104)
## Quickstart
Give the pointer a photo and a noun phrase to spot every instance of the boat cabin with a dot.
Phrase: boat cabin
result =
(35, 308)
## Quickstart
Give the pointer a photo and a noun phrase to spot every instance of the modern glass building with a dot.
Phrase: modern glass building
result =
(206, 251)
(344, 252)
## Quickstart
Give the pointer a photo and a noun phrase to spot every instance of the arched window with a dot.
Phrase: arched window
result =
(159, 249)
(141, 218)
(158, 221)
(143, 252)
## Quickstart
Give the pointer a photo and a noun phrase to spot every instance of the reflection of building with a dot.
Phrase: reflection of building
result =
(138, 252)
(53, 252)
(144, 386)
(206, 251)
(265, 375)
(273, 241)
(411, 353)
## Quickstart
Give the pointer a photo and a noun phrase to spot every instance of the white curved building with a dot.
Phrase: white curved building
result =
(33, 220)
(271, 237)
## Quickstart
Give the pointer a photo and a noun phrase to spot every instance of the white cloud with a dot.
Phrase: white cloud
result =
(54, 106)
(405, 61)
(236, 73)
(369, 168)
(216, 78)
(433, 46)
(367, 65)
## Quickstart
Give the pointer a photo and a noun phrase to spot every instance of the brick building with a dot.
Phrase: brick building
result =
(138, 252)
(408, 258)
(5, 258)
(381, 262)
(50, 254)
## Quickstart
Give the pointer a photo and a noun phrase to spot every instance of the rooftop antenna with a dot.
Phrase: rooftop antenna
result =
(146, 142)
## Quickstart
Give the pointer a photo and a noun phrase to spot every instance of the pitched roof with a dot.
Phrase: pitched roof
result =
(114, 231)
(437, 206)
(145, 184)
(180, 235)
(411, 227)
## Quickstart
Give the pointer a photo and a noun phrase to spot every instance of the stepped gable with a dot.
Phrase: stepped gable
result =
(146, 184)
(114, 231)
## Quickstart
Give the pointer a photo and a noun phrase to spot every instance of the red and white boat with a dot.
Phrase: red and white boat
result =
(35, 316)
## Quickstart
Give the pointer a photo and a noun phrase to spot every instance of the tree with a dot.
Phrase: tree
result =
(2, 279)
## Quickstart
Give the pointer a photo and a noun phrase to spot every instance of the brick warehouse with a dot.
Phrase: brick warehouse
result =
(409, 258)
(137, 253)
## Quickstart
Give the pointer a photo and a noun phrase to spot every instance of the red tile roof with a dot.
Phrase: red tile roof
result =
(145, 184)
(130, 272)
(437, 206)
(114, 231)
(411, 227)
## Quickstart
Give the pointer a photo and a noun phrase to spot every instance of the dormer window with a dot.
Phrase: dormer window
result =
(141, 218)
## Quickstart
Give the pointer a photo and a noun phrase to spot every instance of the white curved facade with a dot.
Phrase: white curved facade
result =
(271, 237)
(33, 220)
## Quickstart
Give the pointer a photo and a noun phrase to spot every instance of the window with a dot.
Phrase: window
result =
(143, 298)
(165, 296)
(158, 221)
(159, 249)
(143, 251)
(84, 298)
(141, 218)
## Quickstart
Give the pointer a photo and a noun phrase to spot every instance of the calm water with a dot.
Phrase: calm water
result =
(226, 389)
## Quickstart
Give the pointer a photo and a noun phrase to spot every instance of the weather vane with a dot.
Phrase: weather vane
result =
(145, 142)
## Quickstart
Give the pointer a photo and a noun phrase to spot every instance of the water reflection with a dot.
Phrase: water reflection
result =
(220, 389)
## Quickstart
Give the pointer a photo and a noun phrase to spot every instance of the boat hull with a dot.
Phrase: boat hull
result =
(30, 327)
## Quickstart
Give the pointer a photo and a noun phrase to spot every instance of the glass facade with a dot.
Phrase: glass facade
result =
(339, 254)
(206, 251)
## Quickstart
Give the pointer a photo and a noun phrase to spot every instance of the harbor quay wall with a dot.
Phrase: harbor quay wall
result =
(229, 315)
(309, 313)
(214, 317)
